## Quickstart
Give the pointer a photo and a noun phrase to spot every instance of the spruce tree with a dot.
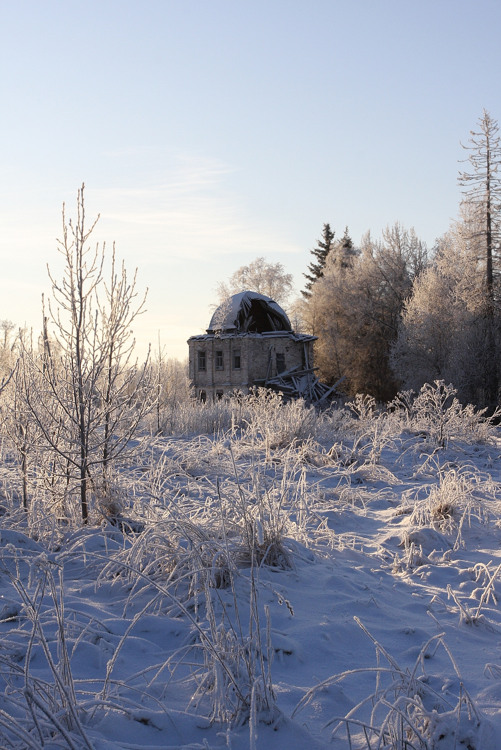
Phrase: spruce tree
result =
(344, 251)
(320, 253)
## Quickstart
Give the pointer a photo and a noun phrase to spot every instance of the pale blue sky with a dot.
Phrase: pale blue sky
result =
(210, 132)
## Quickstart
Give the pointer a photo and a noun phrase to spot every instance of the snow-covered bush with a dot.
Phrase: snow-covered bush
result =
(437, 414)
(275, 422)
(193, 417)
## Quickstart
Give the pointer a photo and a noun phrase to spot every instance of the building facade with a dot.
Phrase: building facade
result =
(249, 343)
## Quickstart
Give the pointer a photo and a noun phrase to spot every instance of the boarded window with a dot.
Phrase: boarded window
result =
(202, 361)
(280, 362)
(219, 364)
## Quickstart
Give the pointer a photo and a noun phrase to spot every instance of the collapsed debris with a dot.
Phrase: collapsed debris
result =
(302, 383)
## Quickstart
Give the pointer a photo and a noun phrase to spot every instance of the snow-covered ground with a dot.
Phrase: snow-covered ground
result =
(282, 586)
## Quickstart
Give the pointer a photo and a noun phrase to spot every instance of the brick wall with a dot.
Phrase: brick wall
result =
(258, 360)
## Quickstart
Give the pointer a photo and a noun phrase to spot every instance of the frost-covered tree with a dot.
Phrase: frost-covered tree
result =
(358, 306)
(18, 424)
(438, 337)
(270, 279)
(450, 326)
(172, 383)
(9, 347)
(443, 333)
(327, 314)
(82, 389)
(482, 192)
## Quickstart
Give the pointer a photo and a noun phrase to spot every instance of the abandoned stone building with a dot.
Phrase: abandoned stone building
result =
(250, 343)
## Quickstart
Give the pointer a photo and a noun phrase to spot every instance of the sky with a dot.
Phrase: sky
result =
(212, 132)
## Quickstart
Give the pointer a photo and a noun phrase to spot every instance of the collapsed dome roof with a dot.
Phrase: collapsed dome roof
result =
(249, 312)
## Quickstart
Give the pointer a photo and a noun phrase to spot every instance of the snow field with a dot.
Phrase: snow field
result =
(288, 580)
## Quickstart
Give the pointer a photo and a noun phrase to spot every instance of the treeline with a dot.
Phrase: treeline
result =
(389, 315)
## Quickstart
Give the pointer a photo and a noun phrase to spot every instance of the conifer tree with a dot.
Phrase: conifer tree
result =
(316, 267)
(344, 250)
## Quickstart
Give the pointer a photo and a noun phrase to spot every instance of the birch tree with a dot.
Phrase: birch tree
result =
(269, 279)
(83, 390)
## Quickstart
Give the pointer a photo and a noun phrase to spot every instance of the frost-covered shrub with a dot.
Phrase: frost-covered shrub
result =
(261, 414)
(277, 423)
(437, 414)
(37, 711)
(235, 679)
(454, 502)
(366, 428)
(363, 406)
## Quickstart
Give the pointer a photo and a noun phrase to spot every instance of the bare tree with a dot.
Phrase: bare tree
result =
(84, 393)
(259, 276)
(172, 383)
(482, 191)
